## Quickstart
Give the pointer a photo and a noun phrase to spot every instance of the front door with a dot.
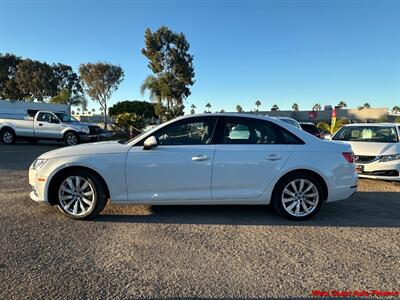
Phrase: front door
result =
(178, 169)
(47, 125)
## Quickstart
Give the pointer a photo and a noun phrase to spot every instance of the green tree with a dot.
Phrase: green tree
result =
(275, 107)
(342, 104)
(258, 104)
(316, 107)
(8, 72)
(366, 105)
(396, 109)
(65, 79)
(295, 107)
(139, 108)
(192, 109)
(100, 81)
(239, 109)
(208, 106)
(35, 79)
(172, 65)
(331, 129)
(127, 120)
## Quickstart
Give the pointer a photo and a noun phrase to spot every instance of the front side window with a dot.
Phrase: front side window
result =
(198, 131)
(375, 134)
(253, 131)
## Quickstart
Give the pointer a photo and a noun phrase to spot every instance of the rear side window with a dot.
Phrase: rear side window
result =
(310, 128)
(253, 131)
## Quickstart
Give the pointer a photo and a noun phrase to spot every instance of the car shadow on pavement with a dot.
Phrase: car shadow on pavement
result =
(364, 209)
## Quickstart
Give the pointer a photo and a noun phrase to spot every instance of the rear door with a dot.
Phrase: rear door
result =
(47, 125)
(249, 155)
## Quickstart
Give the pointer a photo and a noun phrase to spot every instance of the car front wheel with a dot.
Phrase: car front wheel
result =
(298, 197)
(71, 139)
(81, 195)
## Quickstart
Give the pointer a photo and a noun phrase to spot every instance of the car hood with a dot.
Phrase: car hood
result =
(374, 149)
(109, 147)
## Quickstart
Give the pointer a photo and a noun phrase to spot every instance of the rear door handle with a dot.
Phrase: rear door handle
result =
(200, 157)
(273, 157)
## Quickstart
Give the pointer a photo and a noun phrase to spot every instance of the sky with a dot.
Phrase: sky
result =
(278, 52)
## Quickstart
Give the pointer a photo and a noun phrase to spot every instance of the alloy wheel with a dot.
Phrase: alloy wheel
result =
(300, 197)
(7, 137)
(76, 196)
(72, 139)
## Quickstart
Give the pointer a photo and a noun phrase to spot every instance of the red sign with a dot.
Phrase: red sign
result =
(312, 114)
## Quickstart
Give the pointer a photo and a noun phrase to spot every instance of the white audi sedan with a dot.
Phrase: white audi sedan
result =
(199, 159)
(376, 148)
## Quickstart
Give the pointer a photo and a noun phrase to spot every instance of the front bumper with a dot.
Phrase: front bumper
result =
(37, 183)
(389, 170)
(89, 137)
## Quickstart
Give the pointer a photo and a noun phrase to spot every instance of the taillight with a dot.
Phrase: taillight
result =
(349, 156)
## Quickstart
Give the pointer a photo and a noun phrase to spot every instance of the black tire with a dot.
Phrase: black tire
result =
(99, 195)
(71, 138)
(33, 141)
(7, 136)
(278, 201)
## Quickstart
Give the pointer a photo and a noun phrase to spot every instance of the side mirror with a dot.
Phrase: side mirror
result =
(149, 143)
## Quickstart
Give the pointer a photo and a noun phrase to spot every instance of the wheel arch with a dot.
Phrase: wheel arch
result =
(7, 126)
(309, 172)
(52, 186)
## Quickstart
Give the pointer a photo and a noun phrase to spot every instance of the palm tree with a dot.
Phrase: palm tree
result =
(192, 109)
(342, 104)
(274, 107)
(239, 109)
(331, 129)
(222, 111)
(208, 106)
(93, 110)
(153, 85)
(366, 105)
(101, 110)
(258, 104)
(316, 106)
(396, 109)
(295, 107)
(78, 110)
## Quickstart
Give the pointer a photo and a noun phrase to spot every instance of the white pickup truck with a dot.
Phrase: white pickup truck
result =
(42, 124)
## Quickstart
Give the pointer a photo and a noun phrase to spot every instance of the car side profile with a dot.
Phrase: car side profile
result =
(199, 159)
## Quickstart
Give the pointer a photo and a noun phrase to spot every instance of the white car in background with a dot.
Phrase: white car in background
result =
(199, 159)
(376, 148)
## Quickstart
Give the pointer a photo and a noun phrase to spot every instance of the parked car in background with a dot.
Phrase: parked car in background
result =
(376, 148)
(311, 128)
(36, 121)
(199, 159)
(290, 121)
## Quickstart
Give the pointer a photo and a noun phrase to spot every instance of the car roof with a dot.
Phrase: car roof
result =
(372, 124)
(231, 114)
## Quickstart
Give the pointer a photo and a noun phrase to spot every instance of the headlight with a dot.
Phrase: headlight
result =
(390, 157)
(85, 130)
(38, 163)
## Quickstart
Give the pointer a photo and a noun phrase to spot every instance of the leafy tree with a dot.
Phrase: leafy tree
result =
(172, 66)
(295, 107)
(222, 111)
(35, 79)
(366, 105)
(258, 104)
(66, 79)
(274, 107)
(397, 120)
(396, 109)
(208, 106)
(93, 110)
(331, 129)
(100, 81)
(316, 107)
(8, 82)
(127, 120)
(342, 104)
(139, 108)
(192, 109)
(239, 109)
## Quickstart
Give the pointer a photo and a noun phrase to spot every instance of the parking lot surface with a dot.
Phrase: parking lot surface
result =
(225, 252)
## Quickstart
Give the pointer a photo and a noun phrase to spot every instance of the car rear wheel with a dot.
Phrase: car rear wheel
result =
(8, 136)
(81, 195)
(298, 197)
(71, 139)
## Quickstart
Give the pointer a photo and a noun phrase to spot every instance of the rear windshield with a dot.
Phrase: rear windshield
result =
(376, 134)
(310, 128)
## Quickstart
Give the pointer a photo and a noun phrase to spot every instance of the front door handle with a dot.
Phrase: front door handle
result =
(273, 157)
(40, 124)
(200, 157)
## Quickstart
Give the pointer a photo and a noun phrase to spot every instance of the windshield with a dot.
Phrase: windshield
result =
(65, 117)
(376, 134)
